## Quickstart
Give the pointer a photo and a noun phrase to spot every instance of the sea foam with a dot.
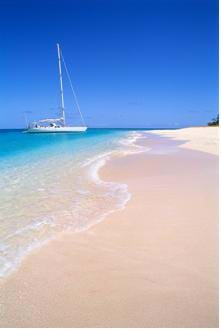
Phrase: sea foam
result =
(42, 197)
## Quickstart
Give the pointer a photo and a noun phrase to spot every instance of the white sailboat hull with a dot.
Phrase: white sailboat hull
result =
(64, 129)
(58, 125)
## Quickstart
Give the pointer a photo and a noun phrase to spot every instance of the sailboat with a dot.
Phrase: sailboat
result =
(58, 125)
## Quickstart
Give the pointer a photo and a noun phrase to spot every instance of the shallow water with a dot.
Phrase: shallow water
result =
(49, 183)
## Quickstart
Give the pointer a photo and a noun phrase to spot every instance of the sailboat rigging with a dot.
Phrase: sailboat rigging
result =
(58, 125)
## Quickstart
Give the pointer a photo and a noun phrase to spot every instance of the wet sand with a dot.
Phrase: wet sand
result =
(153, 264)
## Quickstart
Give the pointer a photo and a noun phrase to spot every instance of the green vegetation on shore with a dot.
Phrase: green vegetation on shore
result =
(215, 121)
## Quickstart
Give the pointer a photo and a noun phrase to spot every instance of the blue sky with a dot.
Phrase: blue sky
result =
(134, 63)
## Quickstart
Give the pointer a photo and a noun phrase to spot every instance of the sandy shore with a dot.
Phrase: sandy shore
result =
(205, 139)
(153, 264)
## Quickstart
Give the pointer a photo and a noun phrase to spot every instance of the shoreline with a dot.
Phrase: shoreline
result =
(92, 167)
(119, 270)
(194, 138)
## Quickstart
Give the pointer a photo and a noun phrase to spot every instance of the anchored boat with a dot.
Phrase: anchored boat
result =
(58, 125)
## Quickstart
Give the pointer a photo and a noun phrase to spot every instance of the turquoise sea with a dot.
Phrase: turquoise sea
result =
(49, 183)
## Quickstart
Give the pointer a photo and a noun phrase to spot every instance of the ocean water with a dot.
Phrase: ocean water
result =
(49, 183)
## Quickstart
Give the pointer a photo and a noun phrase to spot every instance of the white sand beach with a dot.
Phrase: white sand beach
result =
(152, 264)
(203, 139)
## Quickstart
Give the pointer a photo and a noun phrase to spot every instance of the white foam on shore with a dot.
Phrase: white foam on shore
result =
(131, 142)
(96, 163)
(37, 224)
(115, 197)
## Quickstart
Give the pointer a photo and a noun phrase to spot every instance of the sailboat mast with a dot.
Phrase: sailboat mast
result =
(61, 84)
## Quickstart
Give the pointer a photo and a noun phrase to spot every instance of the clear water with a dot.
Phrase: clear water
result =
(49, 183)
